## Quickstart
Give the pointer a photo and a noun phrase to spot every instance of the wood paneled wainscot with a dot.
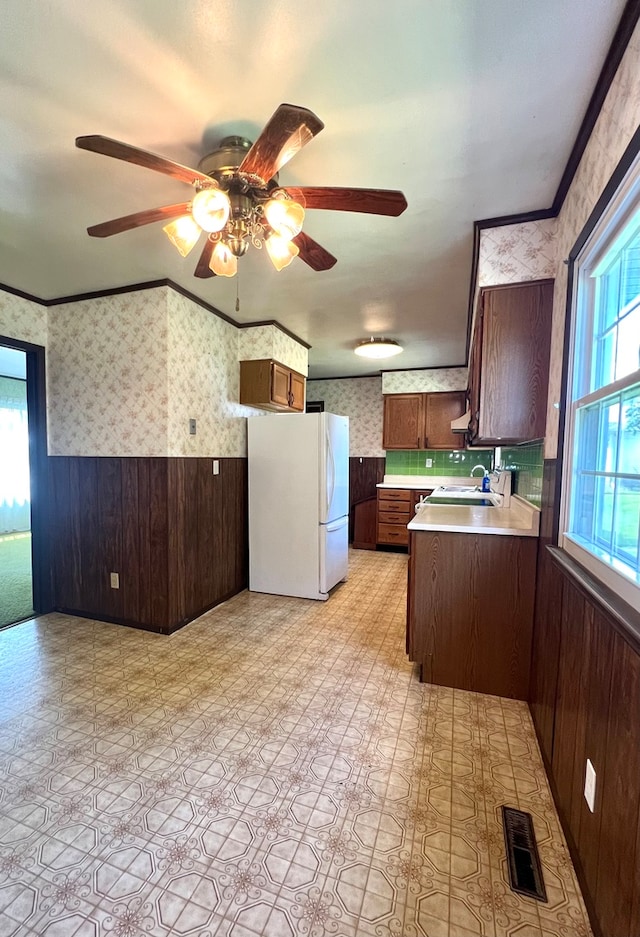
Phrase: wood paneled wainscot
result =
(364, 474)
(470, 610)
(175, 533)
(585, 703)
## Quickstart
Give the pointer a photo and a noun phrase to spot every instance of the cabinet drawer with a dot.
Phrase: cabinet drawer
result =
(394, 494)
(398, 507)
(391, 533)
(393, 517)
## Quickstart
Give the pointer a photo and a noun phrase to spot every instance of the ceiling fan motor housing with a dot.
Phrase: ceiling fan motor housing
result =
(223, 163)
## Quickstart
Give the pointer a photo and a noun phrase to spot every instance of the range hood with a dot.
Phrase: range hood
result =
(461, 425)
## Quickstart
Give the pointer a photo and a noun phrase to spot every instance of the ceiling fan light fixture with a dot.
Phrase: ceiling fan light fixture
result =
(285, 217)
(210, 209)
(183, 233)
(223, 262)
(281, 251)
(378, 348)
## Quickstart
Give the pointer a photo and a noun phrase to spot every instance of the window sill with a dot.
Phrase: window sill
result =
(624, 617)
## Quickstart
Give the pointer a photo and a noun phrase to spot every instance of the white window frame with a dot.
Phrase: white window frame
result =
(621, 213)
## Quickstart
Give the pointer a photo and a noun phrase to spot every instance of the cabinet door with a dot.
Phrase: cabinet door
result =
(280, 381)
(297, 391)
(441, 409)
(516, 336)
(403, 424)
(474, 373)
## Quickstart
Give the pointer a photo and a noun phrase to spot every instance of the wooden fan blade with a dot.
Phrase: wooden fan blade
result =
(313, 253)
(203, 270)
(131, 154)
(289, 129)
(371, 201)
(127, 222)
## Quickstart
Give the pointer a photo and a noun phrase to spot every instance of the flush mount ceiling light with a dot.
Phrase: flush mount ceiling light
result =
(238, 201)
(378, 348)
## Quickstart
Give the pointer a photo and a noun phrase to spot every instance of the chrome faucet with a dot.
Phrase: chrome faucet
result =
(480, 466)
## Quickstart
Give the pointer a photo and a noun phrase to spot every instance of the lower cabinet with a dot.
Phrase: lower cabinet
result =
(396, 507)
(585, 704)
(470, 610)
(394, 513)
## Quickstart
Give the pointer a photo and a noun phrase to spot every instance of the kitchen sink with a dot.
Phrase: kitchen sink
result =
(459, 489)
(480, 502)
(463, 494)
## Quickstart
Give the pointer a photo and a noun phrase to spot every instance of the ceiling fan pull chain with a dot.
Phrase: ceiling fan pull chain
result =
(238, 291)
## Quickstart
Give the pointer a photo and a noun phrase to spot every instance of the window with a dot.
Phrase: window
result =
(601, 491)
(602, 457)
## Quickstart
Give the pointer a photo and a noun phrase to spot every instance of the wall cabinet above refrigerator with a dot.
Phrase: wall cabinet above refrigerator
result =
(269, 385)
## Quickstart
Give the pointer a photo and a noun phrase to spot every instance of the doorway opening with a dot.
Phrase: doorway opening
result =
(25, 581)
(16, 572)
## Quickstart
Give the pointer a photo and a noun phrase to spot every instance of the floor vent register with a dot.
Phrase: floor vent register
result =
(525, 871)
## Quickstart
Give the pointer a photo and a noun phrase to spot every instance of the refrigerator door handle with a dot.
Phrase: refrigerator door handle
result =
(336, 525)
(331, 465)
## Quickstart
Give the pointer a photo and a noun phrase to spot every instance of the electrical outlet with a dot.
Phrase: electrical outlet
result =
(590, 786)
(428, 463)
(192, 427)
(216, 466)
(115, 580)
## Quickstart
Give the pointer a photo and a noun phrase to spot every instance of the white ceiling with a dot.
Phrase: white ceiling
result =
(471, 107)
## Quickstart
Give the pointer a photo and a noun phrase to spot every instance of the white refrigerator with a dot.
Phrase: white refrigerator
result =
(298, 503)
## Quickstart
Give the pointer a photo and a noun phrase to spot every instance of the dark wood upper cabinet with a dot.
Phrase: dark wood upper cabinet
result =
(267, 384)
(422, 421)
(403, 421)
(509, 363)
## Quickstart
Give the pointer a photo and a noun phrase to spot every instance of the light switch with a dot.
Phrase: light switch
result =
(114, 579)
(216, 466)
(192, 427)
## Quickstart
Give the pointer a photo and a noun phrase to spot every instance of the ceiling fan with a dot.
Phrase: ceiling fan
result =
(238, 200)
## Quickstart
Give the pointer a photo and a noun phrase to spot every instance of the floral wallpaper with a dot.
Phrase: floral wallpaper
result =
(126, 373)
(203, 383)
(427, 381)
(22, 319)
(512, 253)
(107, 376)
(616, 124)
(359, 398)
(268, 341)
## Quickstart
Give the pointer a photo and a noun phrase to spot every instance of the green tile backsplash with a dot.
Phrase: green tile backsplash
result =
(456, 462)
(526, 464)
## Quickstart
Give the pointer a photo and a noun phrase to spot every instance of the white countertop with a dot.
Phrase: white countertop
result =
(520, 519)
(423, 482)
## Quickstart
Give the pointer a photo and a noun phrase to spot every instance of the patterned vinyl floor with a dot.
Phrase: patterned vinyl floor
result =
(275, 768)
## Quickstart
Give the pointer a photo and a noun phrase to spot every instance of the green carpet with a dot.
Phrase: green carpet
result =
(16, 599)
